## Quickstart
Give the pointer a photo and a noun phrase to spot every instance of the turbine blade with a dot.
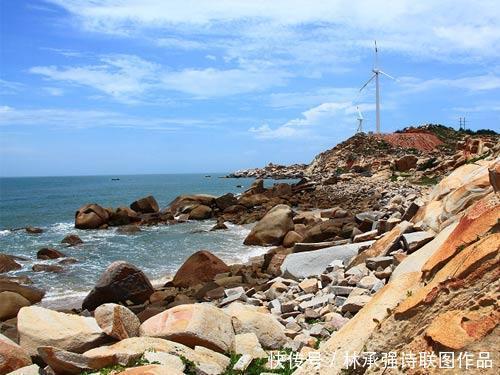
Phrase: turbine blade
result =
(373, 76)
(387, 75)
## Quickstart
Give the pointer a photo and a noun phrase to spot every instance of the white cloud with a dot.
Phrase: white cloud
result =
(300, 32)
(10, 87)
(334, 114)
(472, 83)
(54, 91)
(74, 118)
(130, 79)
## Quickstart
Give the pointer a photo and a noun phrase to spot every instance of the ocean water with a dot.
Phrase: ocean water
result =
(51, 202)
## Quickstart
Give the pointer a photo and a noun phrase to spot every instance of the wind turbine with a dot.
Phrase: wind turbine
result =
(376, 72)
(360, 121)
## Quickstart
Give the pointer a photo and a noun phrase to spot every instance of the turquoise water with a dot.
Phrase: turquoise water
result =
(50, 203)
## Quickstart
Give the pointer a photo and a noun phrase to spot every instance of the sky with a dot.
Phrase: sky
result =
(157, 86)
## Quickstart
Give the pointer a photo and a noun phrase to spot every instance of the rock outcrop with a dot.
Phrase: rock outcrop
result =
(120, 282)
(200, 267)
(91, 216)
(272, 228)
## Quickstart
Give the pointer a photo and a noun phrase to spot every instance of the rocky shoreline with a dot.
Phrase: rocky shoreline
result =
(362, 249)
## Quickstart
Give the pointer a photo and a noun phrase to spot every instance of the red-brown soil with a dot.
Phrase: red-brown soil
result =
(422, 141)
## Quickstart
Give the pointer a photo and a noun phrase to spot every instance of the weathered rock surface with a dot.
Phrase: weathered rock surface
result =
(91, 216)
(65, 362)
(34, 295)
(268, 330)
(272, 228)
(200, 267)
(7, 263)
(311, 263)
(10, 304)
(38, 326)
(72, 240)
(133, 348)
(145, 205)
(117, 321)
(49, 253)
(12, 356)
(192, 325)
(120, 282)
(200, 212)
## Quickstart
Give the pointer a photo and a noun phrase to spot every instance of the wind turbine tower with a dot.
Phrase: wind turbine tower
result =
(360, 121)
(376, 72)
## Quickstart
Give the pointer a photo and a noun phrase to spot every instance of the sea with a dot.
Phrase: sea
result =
(50, 203)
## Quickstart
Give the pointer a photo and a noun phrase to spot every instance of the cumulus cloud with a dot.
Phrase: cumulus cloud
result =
(335, 115)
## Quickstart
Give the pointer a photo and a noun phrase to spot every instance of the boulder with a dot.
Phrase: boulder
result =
(10, 304)
(248, 343)
(324, 231)
(248, 319)
(27, 370)
(225, 201)
(133, 348)
(34, 295)
(123, 216)
(292, 238)
(38, 326)
(128, 229)
(312, 263)
(117, 321)
(193, 324)
(120, 282)
(12, 356)
(415, 240)
(91, 216)
(253, 200)
(64, 362)
(72, 240)
(257, 187)
(494, 176)
(47, 268)
(49, 253)
(272, 228)
(145, 205)
(406, 163)
(200, 212)
(200, 267)
(184, 203)
(388, 242)
(33, 230)
(165, 359)
(7, 263)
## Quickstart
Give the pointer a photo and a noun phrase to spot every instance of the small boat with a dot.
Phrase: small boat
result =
(115, 179)
(208, 176)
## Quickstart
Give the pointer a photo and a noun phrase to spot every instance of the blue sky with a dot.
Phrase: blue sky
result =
(158, 86)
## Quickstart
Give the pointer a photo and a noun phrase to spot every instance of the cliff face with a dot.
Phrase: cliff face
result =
(441, 298)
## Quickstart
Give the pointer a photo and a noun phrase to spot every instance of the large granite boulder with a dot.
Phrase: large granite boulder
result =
(117, 321)
(405, 163)
(38, 326)
(225, 201)
(324, 231)
(125, 351)
(249, 319)
(8, 263)
(120, 282)
(185, 203)
(192, 325)
(312, 263)
(72, 240)
(12, 356)
(64, 362)
(145, 205)
(34, 295)
(123, 216)
(200, 212)
(200, 267)
(272, 228)
(10, 304)
(49, 253)
(91, 216)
